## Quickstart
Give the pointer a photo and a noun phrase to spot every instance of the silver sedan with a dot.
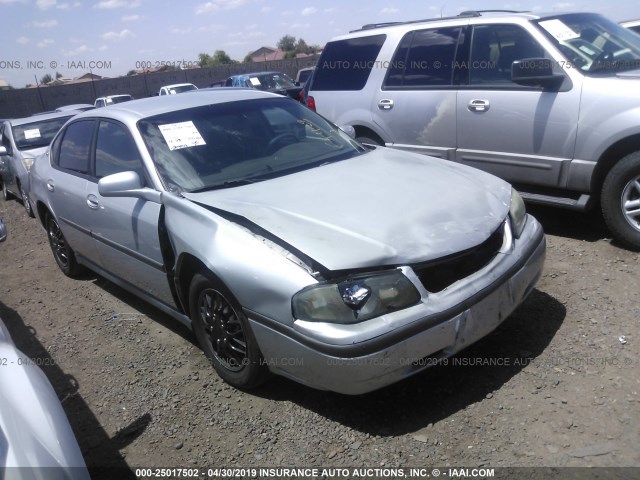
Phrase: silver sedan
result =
(288, 247)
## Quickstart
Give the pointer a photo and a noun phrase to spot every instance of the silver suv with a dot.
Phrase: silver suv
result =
(550, 103)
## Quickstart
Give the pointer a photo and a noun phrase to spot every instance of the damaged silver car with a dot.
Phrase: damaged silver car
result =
(285, 245)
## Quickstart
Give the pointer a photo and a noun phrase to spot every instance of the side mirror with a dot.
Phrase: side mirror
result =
(3, 231)
(535, 71)
(127, 184)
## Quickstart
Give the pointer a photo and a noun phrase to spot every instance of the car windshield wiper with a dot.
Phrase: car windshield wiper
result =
(226, 184)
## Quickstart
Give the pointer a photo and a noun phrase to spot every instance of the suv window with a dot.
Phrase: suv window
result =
(345, 65)
(424, 58)
(493, 50)
(116, 151)
(75, 147)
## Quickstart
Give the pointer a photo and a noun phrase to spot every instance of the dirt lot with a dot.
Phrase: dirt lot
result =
(556, 385)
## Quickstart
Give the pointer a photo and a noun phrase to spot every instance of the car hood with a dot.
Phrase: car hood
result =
(33, 152)
(384, 207)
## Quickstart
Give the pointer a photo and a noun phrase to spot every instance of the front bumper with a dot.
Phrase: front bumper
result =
(465, 314)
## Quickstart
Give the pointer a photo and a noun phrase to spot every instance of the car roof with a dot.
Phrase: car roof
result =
(266, 72)
(470, 16)
(177, 85)
(148, 107)
(41, 117)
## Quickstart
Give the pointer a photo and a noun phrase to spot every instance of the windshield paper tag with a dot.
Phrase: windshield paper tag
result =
(559, 30)
(254, 81)
(31, 134)
(181, 135)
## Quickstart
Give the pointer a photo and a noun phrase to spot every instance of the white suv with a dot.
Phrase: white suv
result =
(549, 103)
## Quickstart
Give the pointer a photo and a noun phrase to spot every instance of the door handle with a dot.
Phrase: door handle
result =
(50, 185)
(385, 104)
(478, 105)
(92, 202)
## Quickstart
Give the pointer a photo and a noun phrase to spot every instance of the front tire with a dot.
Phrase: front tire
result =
(224, 334)
(25, 202)
(5, 193)
(62, 252)
(620, 201)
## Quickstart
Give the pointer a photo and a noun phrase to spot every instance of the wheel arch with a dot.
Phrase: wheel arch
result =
(363, 131)
(187, 266)
(610, 157)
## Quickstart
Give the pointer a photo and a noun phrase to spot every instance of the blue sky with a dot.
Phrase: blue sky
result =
(37, 35)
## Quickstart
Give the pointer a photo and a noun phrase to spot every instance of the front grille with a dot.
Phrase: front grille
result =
(439, 274)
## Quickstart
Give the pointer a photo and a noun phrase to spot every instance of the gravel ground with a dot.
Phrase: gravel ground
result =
(556, 385)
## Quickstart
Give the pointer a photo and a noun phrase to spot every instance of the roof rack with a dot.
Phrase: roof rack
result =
(467, 13)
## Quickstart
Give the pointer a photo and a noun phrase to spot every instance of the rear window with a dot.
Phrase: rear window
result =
(37, 134)
(346, 64)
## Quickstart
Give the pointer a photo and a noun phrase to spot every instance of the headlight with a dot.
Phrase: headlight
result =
(355, 299)
(517, 213)
(27, 162)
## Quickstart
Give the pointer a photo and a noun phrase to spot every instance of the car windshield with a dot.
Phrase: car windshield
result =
(37, 134)
(593, 43)
(235, 143)
(181, 88)
(270, 81)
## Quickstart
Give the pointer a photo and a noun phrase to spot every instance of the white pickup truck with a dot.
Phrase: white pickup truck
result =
(177, 88)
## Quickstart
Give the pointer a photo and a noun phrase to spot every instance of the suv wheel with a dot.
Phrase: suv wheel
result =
(224, 334)
(621, 200)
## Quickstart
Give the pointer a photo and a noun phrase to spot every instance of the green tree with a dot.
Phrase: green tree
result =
(248, 58)
(301, 46)
(46, 78)
(204, 60)
(220, 57)
(58, 75)
(287, 43)
(131, 73)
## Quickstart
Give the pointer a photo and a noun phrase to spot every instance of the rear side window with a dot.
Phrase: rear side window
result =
(76, 146)
(424, 58)
(346, 64)
(116, 151)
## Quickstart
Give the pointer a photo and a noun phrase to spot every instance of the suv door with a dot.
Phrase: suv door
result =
(523, 134)
(125, 229)
(417, 103)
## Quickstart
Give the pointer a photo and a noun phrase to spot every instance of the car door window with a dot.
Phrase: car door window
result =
(425, 58)
(493, 50)
(116, 151)
(76, 146)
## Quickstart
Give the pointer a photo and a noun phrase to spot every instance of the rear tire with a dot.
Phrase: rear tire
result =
(62, 252)
(620, 200)
(224, 333)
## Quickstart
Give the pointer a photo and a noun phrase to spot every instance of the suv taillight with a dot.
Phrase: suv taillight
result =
(311, 103)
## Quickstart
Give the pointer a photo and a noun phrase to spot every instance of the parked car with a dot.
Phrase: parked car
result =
(633, 25)
(285, 245)
(36, 435)
(21, 141)
(274, 82)
(177, 88)
(303, 75)
(111, 100)
(547, 102)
